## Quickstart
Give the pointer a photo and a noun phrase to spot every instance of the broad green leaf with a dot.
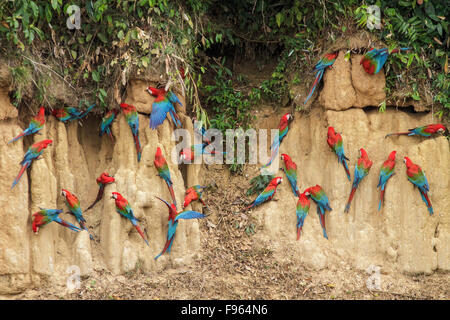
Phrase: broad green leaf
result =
(279, 18)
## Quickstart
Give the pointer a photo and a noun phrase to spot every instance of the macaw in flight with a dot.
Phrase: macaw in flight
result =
(163, 104)
(174, 217)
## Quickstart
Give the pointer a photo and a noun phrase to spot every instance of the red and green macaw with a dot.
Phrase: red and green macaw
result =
(386, 171)
(361, 170)
(302, 210)
(326, 61)
(174, 217)
(163, 104)
(163, 171)
(192, 194)
(70, 113)
(417, 177)
(162, 91)
(132, 118)
(290, 169)
(424, 131)
(335, 142)
(36, 124)
(283, 130)
(320, 198)
(188, 154)
(267, 194)
(74, 207)
(45, 216)
(124, 208)
(375, 59)
(102, 181)
(107, 120)
(33, 153)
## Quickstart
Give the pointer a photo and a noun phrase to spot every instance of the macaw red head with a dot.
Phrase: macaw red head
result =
(159, 152)
(116, 195)
(362, 153)
(45, 143)
(331, 131)
(105, 178)
(392, 155)
(125, 106)
(152, 91)
(276, 181)
(288, 116)
(307, 192)
(441, 129)
(64, 192)
(407, 161)
(285, 157)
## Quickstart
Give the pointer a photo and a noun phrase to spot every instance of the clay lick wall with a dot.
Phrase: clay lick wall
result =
(75, 159)
(402, 237)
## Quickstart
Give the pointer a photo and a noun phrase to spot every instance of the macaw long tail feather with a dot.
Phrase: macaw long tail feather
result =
(22, 170)
(142, 234)
(166, 248)
(397, 134)
(299, 230)
(381, 196)
(249, 207)
(350, 198)
(172, 194)
(68, 225)
(319, 75)
(97, 199)
(18, 137)
(322, 223)
(138, 146)
(344, 163)
(427, 201)
(83, 225)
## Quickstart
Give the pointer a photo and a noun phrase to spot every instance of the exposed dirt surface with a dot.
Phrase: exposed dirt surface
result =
(233, 265)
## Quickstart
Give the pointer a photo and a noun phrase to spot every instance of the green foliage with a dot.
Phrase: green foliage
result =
(425, 29)
(258, 184)
(231, 107)
(115, 38)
